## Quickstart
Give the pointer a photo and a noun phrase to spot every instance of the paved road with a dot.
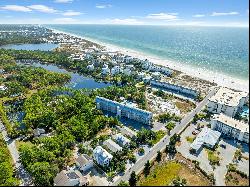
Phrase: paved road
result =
(21, 172)
(139, 165)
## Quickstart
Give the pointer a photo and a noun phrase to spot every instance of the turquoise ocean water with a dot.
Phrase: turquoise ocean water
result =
(223, 50)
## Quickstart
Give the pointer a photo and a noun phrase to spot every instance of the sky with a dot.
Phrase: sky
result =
(128, 12)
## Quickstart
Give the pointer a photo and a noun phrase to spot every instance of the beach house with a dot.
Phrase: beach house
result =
(230, 127)
(121, 140)
(101, 156)
(227, 101)
(112, 146)
(207, 137)
(70, 178)
(84, 162)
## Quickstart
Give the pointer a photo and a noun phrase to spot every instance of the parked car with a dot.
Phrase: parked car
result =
(194, 132)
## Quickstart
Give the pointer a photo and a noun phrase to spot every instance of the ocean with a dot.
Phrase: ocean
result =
(222, 50)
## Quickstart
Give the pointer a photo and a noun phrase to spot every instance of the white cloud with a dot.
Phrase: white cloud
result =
(65, 20)
(198, 15)
(127, 21)
(63, 1)
(16, 8)
(164, 16)
(71, 13)
(224, 13)
(42, 8)
(104, 6)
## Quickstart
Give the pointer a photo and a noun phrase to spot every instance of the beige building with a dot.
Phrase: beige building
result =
(230, 127)
(227, 101)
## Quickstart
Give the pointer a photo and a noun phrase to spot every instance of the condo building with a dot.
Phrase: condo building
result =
(227, 101)
(124, 110)
(173, 87)
(230, 127)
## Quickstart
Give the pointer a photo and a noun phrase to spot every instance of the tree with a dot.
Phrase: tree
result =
(170, 125)
(43, 173)
(147, 167)
(238, 154)
(179, 182)
(158, 157)
(133, 179)
(123, 183)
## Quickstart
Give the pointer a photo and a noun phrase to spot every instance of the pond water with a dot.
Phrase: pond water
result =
(245, 112)
(77, 81)
(41, 47)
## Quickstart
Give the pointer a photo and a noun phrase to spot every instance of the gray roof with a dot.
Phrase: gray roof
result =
(114, 147)
(207, 136)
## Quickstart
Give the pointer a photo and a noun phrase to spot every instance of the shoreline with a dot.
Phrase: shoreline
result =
(218, 78)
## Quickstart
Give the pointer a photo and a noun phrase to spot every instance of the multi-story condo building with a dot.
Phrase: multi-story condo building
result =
(115, 70)
(101, 156)
(124, 110)
(174, 87)
(227, 101)
(230, 127)
(105, 70)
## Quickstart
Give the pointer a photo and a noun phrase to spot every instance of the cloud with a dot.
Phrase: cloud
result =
(198, 15)
(63, 1)
(224, 13)
(123, 21)
(16, 8)
(71, 13)
(42, 8)
(65, 20)
(164, 16)
(103, 6)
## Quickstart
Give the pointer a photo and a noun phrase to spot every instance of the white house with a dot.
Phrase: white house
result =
(114, 147)
(146, 64)
(70, 178)
(230, 127)
(101, 156)
(84, 163)
(105, 70)
(227, 101)
(128, 59)
(3, 88)
(127, 131)
(91, 67)
(127, 71)
(207, 137)
(121, 140)
(141, 75)
(115, 70)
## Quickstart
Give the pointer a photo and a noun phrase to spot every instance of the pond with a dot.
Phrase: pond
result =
(41, 47)
(77, 81)
(245, 112)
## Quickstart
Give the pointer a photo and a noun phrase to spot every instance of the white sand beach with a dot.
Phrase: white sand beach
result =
(219, 78)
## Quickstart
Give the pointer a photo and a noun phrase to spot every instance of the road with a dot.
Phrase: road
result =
(160, 146)
(21, 172)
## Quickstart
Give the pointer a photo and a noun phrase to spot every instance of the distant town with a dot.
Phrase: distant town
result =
(80, 114)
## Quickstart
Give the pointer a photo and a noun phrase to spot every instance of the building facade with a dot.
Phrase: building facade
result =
(230, 127)
(177, 88)
(124, 110)
(227, 101)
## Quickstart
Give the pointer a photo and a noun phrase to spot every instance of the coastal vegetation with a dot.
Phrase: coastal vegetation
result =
(7, 174)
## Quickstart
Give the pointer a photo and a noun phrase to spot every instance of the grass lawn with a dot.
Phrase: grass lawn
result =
(213, 158)
(159, 135)
(190, 139)
(162, 175)
(234, 179)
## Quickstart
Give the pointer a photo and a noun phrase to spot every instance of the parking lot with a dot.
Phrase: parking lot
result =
(226, 150)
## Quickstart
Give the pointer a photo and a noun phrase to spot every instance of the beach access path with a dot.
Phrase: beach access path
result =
(26, 179)
(160, 146)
